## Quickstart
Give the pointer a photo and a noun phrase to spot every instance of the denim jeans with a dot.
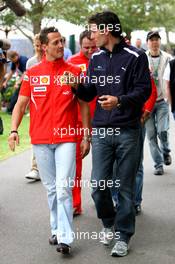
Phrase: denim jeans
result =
(124, 149)
(157, 128)
(139, 174)
(56, 164)
(140, 171)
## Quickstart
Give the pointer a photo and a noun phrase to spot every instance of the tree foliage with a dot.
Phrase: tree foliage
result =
(139, 14)
(134, 14)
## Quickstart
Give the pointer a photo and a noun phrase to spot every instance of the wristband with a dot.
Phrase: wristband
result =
(14, 131)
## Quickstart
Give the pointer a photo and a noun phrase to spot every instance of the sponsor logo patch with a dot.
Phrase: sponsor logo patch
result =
(26, 78)
(40, 80)
(40, 89)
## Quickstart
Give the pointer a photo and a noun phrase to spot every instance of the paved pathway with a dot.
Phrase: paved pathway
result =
(24, 228)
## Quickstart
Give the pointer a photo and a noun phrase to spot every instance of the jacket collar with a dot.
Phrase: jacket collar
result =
(117, 47)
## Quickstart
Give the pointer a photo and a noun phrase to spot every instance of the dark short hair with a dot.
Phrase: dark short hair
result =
(84, 34)
(107, 18)
(43, 35)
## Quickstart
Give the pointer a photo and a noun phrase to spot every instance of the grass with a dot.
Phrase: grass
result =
(5, 152)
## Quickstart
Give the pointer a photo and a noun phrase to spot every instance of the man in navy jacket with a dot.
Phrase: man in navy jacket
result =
(119, 76)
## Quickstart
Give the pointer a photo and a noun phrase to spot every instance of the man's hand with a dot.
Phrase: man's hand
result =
(13, 140)
(70, 79)
(85, 147)
(4, 84)
(108, 102)
(145, 116)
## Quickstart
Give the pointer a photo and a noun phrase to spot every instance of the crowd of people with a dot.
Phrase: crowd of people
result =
(69, 107)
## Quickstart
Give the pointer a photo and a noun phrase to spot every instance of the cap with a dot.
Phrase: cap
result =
(152, 34)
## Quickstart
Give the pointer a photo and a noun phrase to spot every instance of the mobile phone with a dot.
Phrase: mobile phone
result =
(102, 99)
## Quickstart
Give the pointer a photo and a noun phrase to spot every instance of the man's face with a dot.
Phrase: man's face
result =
(37, 46)
(138, 43)
(54, 48)
(154, 44)
(88, 47)
(100, 37)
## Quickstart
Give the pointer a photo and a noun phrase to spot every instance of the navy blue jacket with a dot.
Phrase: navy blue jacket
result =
(21, 64)
(123, 73)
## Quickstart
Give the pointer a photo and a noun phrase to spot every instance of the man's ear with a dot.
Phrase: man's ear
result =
(106, 31)
(43, 47)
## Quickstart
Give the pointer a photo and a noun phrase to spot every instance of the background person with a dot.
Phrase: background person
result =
(67, 51)
(2, 74)
(33, 174)
(18, 65)
(169, 77)
(157, 125)
(81, 59)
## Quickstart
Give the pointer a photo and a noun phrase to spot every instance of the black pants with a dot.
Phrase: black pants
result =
(1, 126)
(13, 101)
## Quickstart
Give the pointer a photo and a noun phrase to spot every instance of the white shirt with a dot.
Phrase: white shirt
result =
(166, 75)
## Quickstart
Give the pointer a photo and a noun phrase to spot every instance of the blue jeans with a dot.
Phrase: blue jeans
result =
(157, 128)
(139, 174)
(124, 149)
(56, 164)
(140, 171)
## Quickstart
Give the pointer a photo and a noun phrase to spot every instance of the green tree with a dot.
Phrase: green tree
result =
(75, 12)
(139, 14)
(134, 14)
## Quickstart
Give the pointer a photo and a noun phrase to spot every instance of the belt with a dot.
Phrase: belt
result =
(161, 100)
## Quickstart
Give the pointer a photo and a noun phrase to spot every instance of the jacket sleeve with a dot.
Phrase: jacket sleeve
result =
(149, 105)
(141, 84)
(87, 91)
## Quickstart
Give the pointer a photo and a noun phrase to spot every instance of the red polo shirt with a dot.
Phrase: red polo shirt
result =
(53, 106)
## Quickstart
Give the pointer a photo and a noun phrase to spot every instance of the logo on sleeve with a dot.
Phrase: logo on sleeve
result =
(26, 78)
(40, 80)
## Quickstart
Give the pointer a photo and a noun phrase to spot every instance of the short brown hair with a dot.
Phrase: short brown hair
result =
(11, 54)
(84, 34)
(44, 33)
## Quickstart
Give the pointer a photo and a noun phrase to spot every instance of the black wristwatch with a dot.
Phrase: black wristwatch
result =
(119, 102)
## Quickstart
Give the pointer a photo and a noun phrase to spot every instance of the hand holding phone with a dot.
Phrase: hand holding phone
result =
(102, 98)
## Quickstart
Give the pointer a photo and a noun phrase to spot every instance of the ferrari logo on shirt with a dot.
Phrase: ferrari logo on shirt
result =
(40, 80)
(83, 67)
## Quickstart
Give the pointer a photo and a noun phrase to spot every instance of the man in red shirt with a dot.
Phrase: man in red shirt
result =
(87, 48)
(53, 119)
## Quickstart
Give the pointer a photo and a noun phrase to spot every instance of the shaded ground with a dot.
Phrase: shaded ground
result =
(24, 228)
